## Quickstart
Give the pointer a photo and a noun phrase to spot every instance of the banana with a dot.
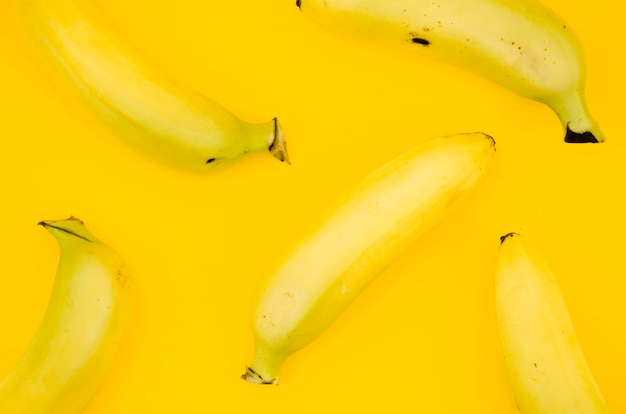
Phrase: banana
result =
(80, 332)
(518, 44)
(375, 223)
(545, 363)
(158, 116)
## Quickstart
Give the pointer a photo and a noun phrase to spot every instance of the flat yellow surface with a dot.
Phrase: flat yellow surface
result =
(421, 338)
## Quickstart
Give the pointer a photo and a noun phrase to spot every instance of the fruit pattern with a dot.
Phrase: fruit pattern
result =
(398, 202)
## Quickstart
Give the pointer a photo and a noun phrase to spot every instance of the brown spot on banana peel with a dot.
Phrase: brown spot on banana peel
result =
(586, 137)
(420, 41)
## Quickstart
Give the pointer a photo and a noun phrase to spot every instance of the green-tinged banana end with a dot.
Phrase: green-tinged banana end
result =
(252, 376)
(278, 147)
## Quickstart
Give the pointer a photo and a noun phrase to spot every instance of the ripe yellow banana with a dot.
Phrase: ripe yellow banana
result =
(81, 330)
(545, 363)
(376, 222)
(518, 44)
(171, 123)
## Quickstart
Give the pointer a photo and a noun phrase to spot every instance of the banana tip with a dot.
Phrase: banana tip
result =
(45, 223)
(506, 236)
(586, 137)
(254, 377)
(278, 147)
(492, 140)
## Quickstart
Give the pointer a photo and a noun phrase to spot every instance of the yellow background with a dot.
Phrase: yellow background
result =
(421, 338)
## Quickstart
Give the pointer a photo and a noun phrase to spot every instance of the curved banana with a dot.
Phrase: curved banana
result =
(518, 44)
(158, 116)
(545, 363)
(377, 221)
(81, 330)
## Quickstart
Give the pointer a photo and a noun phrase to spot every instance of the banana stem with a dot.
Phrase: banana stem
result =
(580, 127)
(265, 366)
(278, 147)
